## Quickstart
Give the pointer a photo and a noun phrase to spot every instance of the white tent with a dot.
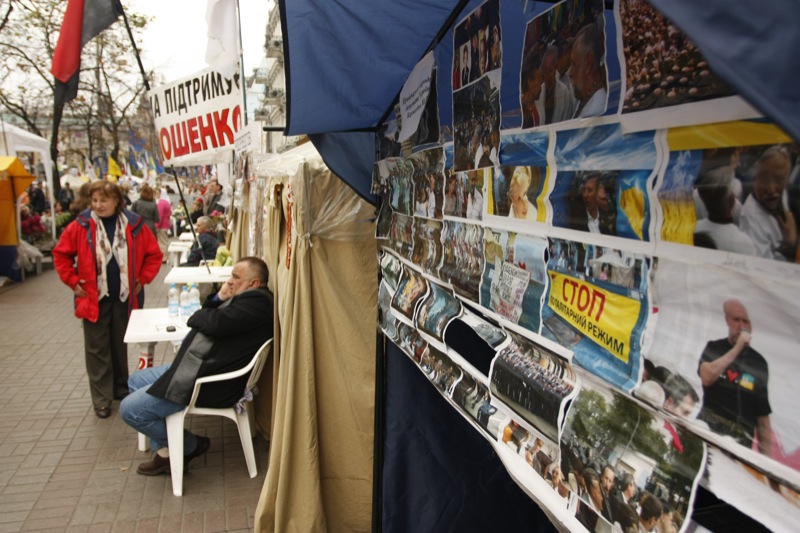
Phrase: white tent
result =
(14, 140)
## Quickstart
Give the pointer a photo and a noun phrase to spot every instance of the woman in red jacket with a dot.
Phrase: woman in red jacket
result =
(106, 255)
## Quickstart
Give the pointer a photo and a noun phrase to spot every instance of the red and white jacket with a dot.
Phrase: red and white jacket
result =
(79, 242)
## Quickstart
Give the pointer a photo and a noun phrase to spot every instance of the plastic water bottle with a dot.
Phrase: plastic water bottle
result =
(185, 305)
(194, 298)
(173, 301)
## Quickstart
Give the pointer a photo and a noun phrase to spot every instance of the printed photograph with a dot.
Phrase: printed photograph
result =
(741, 199)
(476, 124)
(410, 291)
(630, 466)
(563, 73)
(534, 382)
(462, 258)
(438, 308)
(597, 306)
(662, 66)
(515, 277)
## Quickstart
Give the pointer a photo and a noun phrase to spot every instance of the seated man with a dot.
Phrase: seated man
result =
(208, 243)
(225, 335)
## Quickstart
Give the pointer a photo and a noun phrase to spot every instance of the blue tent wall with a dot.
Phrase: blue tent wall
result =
(439, 473)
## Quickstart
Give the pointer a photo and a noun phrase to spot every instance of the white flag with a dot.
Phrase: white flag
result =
(89, 169)
(222, 53)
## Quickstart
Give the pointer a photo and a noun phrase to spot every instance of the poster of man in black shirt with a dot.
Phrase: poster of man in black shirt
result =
(735, 377)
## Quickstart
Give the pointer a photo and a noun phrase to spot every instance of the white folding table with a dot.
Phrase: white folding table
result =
(198, 274)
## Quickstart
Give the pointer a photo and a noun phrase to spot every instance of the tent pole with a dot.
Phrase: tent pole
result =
(379, 431)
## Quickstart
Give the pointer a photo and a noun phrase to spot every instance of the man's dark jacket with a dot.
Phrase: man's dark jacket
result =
(224, 337)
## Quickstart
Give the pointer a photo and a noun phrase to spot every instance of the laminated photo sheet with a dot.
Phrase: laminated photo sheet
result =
(775, 505)
(514, 278)
(601, 182)
(596, 304)
(465, 194)
(401, 185)
(401, 235)
(519, 188)
(564, 50)
(477, 47)
(666, 81)
(698, 310)
(726, 190)
(411, 290)
(535, 384)
(427, 252)
(391, 268)
(428, 180)
(383, 226)
(437, 309)
(650, 458)
(462, 258)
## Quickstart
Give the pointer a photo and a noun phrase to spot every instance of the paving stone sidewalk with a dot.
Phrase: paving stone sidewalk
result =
(64, 469)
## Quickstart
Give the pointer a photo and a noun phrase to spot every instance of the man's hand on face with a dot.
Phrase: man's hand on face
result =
(226, 292)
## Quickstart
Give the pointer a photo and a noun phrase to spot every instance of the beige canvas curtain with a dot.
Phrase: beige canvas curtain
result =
(324, 268)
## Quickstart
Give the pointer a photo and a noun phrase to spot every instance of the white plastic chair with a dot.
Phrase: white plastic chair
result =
(175, 421)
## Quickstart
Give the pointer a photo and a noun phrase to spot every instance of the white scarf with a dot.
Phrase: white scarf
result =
(104, 251)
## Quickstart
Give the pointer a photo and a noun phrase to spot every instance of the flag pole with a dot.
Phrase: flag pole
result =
(171, 167)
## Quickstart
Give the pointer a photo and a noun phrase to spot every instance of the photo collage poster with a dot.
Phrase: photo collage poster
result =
(558, 232)
(476, 95)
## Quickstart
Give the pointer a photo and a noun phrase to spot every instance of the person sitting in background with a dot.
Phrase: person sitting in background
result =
(207, 241)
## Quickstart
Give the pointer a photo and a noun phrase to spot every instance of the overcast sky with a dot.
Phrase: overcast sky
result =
(175, 41)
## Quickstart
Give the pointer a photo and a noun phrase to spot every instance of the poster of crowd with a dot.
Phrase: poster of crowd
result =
(401, 235)
(428, 177)
(596, 304)
(401, 184)
(462, 258)
(427, 251)
(716, 328)
(535, 383)
(476, 124)
(465, 193)
(477, 45)
(663, 68)
(515, 277)
(602, 181)
(631, 467)
(436, 310)
(410, 291)
(563, 73)
(721, 194)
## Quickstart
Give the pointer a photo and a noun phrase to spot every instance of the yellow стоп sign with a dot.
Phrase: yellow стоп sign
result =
(605, 317)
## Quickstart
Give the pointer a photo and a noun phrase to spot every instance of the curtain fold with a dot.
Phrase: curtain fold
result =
(321, 447)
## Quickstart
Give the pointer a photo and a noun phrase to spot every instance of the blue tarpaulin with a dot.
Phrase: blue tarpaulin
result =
(347, 60)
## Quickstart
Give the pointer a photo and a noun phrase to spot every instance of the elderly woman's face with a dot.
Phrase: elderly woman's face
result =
(104, 206)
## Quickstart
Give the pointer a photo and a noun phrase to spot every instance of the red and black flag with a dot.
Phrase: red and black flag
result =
(83, 20)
